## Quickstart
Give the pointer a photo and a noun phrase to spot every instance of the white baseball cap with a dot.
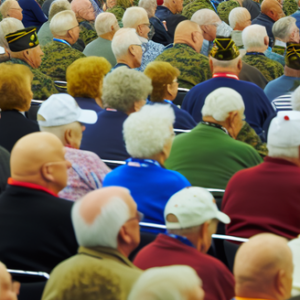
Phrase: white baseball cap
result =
(62, 109)
(193, 206)
(284, 130)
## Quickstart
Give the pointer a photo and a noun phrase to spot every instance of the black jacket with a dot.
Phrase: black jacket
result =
(13, 126)
(36, 232)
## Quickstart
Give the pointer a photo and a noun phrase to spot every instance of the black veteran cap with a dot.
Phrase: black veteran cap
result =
(224, 48)
(292, 57)
(22, 39)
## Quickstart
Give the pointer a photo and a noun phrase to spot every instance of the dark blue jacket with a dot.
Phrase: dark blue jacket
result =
(32, 14)
(163, 12)
(264, 20)
(105, 137)
(257, 105)
(183, 120)
(161, 36)
(88, 103)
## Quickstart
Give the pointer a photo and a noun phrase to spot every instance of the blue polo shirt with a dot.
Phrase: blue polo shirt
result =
(151, 186)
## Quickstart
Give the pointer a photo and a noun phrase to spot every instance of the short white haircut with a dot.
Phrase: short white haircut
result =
(7, 26)
(219, 103)
(238, 15)
(5, 7)
(62, 22)
(230, 64)
(104, 22)
(149, 6)
(165, 283)
(205, 16)
(253, 36)
(146, 132)
(123, 87)
(134, 16)
(122, 40)
(283, 28)
(296, 99)
(105, 228)
(58, 6)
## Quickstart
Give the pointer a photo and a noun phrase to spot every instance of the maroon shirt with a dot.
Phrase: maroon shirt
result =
(265, 198)
(218, 282)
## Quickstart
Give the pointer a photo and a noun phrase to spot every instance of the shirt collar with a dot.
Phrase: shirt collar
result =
(30, 185)
(226, 75)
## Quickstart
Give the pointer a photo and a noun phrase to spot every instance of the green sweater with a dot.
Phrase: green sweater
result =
(208, 157)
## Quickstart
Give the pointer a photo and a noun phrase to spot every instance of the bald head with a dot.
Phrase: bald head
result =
(263, 268)
(273, 9)
(39, 158)
(106, 211)
(190, 33)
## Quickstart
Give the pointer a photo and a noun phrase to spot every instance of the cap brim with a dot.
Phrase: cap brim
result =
(223, 218)
(87, 116)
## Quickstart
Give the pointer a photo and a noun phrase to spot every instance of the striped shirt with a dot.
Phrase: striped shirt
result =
(283, 102)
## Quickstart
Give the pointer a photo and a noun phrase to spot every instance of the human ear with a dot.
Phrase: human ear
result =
(123, 236)
(68, 136)
(211, 65)
(46, 172)
(204, 238)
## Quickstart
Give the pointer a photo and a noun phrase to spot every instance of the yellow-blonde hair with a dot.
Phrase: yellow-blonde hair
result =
(85, 76)
(15, 87)
(161, 73)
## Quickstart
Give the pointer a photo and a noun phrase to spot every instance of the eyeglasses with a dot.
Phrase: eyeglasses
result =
(139, 216)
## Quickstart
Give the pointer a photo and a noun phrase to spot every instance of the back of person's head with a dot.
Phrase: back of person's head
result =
(254, 36)
(83, 10)
(62, 22)
(168, 283)
(7, 26)
(149, 6)
(263, 268)
(273, 9)
(58, 6)
(122, 40)
(239, 17)
(8, 289)
(205, 16)
(85, 77)
(99, 216)
(134, 16)
(283, 135)
(284, 27)
(15, 87)
(221, 102)
(124, 89)
(105, 23)
(39, 158)
(162, 75)
(5, 7)
(147, 132)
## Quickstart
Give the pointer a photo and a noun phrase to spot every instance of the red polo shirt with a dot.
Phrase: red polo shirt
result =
(265, 198)
(218, 282)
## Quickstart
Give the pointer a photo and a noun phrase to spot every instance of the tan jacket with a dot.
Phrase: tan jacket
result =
(94, 273)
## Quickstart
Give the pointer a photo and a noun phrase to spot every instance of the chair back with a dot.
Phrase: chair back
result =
(180, 96)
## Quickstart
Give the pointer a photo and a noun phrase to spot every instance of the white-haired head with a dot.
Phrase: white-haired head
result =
(134, 16)
(62, 22)
(146, 132)
(296, 99)
(123, 87)
(205, 16)
(123, 39)
(58, 6)
(106, 22)
(255, 37)
(149, 6)
(284, 28)
(219, 103)
(98, 217)
(7, 26)
(168, 283)
(239, 17)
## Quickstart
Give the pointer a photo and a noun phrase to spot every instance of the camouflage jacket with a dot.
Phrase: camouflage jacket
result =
(118, 11)
(42, 85)
(1, 17)
(279, 50)
(192, 7)
(87, 32)
(224, 8)
(271, 69)
(193, 66)
(289, 7)
(249, 136)
(57, 58)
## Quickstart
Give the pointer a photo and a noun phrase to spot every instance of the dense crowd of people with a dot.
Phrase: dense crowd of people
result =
(149, 150)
